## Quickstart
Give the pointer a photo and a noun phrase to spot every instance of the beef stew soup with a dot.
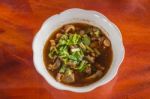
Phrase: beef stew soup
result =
(77, 54)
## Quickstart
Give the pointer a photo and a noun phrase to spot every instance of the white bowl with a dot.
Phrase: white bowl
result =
(82, 16)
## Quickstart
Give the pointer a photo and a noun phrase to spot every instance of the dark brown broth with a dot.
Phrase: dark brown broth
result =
(104, 59)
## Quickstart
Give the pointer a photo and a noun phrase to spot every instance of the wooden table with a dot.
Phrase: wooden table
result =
(21, 19)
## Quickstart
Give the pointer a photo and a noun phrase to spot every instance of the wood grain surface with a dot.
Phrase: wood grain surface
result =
(21, 19)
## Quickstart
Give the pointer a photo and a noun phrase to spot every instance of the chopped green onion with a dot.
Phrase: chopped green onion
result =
(63, 50)
(97, 33)
(86, 40)
(73, 39)
(65, 60)
(63, 40)
(82, 66)
(75, 49)
(82, 46)
(76, 56)
(64, 36)
(90, 49)
(73, 57)
(62, 69)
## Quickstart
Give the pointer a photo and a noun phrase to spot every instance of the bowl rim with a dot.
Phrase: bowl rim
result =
(70, 88)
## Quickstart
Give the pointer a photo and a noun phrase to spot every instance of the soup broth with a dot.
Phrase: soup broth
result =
(77, 54)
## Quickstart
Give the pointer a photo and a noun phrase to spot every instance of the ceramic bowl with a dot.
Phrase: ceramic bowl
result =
(76, 15)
